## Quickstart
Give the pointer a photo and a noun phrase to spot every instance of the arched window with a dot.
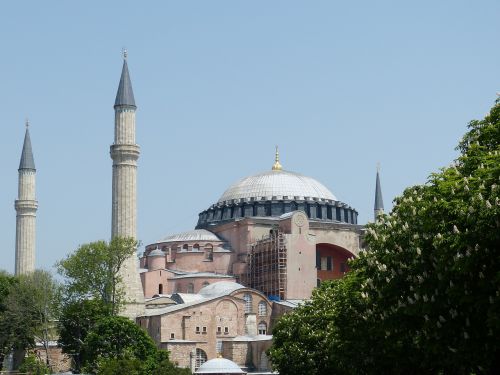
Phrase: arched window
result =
(185, 247)
(160, 289)
(201, 358)
(206, 283)
(248, 302)
(209, 252)
(190, 288)
(196, 247)
(262, 308)
(262, 328)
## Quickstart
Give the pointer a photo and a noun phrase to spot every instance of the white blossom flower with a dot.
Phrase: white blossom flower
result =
(488, 204)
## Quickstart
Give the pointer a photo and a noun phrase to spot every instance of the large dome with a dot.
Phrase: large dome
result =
(277, 184)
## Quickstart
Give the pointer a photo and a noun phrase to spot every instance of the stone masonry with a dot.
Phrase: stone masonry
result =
(125, 152)
(26, 207)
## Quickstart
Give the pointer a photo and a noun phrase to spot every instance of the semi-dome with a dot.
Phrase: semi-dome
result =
(219, 366)
(277, 184)
(192, 235)
(220, 288)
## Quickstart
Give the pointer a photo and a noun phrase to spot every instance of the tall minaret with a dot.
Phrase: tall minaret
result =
(26, 206)
(379, 203)
(125, 152)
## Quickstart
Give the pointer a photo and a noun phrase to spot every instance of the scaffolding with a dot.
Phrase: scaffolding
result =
(266, 265)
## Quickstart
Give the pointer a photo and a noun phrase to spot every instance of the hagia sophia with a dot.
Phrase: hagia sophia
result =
(217, 290)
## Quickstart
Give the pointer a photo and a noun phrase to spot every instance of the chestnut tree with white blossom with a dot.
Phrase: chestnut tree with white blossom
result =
(424, 297)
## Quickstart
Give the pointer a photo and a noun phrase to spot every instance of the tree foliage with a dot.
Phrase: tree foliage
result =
(31, 307)
(33, 366)
(77, 319)
(116, 343)
(425, 297)
(6, 282)
(92, 271)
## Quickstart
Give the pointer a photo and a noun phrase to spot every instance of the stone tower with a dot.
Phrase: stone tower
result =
(26, 206)
(125, 152)
(379, 203)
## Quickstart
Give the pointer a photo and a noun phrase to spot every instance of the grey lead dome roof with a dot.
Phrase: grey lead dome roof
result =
(192, 235)
(279, 184)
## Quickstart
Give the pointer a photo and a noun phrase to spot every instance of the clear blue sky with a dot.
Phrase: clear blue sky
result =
(339, 86)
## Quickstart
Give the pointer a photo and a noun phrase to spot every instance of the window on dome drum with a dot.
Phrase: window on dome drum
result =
(197, 330)
(226, 330)
(185, 247)
(196, 247)
(172, 336)
(262, 328)
(190, 288)
(219, 330)
(160, 289)
(201, 358)
(262, 308)
(204, 330)
(248, 302)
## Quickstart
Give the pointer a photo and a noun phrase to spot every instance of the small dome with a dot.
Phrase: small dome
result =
(220, 288)
(279, 184)
(219, 366)
(156, 253)
(192, 235)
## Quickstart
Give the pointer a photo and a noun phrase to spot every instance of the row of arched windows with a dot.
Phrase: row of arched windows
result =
(262, 307)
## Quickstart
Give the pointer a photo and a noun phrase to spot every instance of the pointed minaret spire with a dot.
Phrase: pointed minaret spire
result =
(27, 160)
(125, 94)
(26, 207)
(277, 166)
(379, 203)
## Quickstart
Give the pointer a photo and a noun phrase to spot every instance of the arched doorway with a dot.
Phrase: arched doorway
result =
(201, 358)
(331, 261)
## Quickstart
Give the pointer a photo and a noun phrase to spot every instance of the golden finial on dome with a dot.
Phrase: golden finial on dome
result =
(219, 355)
(277, 166)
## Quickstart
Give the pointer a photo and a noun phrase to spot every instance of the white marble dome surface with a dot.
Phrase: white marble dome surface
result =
(219, 366)
(279, 184)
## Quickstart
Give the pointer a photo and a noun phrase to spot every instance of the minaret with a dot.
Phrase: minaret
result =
(379, 203)
(26, 206)
(125, 152)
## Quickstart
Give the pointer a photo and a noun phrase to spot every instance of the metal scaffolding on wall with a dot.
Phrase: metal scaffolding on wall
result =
(266, 265)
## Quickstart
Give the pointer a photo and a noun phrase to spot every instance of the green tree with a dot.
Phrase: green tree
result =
(117, 337)
(92, 271)
(31, 309)
(76, 321)
(6, 282)
(33, 366)
(425, 297)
